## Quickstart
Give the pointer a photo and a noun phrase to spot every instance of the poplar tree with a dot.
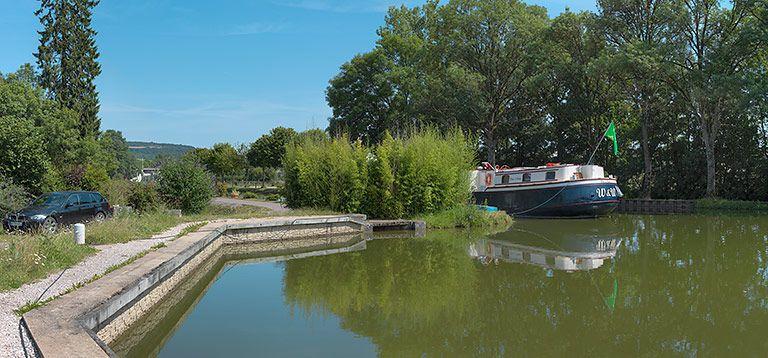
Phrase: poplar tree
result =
(67, 57)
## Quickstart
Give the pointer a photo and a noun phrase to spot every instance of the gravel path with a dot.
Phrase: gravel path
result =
(107, 256)
(245, 202)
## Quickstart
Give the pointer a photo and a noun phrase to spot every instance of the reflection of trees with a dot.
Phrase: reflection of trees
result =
(392, 288)
(687, 284)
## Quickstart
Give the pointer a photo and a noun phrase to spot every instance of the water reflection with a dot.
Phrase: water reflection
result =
(544, 243)
(616, 286)
(677, 285)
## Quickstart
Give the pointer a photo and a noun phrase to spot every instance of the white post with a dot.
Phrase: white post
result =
(79, 234)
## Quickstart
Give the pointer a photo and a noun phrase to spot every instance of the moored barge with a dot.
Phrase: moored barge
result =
(551, 191)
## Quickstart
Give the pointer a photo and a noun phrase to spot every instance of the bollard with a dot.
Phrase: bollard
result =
(79, 234)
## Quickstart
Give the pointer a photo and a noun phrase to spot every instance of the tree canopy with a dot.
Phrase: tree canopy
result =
(684, 80)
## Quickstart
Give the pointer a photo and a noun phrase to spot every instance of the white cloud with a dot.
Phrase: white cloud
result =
(258, 27)
(341, 5)
(223, 110)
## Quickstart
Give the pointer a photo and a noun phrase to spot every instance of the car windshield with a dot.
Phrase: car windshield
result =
(53, 199)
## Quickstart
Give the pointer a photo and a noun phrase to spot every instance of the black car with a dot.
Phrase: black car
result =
(51, 210)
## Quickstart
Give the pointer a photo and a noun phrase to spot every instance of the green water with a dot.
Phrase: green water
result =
(619, 286)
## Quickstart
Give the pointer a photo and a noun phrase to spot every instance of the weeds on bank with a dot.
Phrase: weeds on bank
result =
(29, 306)
(190, 229)
(29, 258)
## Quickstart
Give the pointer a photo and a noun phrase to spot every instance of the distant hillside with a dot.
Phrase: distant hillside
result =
(150, 150)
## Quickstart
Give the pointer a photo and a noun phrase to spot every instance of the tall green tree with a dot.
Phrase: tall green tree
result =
(224, 160)
(68, 58)
(494, 46)
(269, 149)
(639, 34)
(363, 98)
(125, 165)
(579, 89)
(716, 44)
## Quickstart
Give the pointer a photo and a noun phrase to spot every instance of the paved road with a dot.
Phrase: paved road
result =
(245, 202)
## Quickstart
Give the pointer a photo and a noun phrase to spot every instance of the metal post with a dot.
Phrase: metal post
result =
(79, 234)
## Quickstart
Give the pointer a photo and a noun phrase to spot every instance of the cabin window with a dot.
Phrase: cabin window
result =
(550, 176)
(578, 176)
(526, 177)
(505, 179)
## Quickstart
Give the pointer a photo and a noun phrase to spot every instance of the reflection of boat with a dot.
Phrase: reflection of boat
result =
(569, 245)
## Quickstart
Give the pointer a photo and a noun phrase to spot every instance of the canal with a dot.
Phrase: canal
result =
(622, 285)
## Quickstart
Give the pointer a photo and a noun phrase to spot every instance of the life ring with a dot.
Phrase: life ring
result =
(488, 179)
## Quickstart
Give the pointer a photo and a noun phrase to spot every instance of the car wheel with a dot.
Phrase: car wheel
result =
(100, 216)
(50, 225)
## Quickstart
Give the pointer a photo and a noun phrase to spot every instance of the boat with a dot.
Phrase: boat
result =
(551, 191)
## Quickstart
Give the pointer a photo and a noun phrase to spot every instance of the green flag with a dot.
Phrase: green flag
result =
(611, 134)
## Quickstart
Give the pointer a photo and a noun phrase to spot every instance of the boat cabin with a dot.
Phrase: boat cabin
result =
(486, 176)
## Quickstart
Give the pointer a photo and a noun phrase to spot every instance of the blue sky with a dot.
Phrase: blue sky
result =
(200, 72)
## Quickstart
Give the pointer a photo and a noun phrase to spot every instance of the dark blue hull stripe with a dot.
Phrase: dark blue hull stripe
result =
(582, 200)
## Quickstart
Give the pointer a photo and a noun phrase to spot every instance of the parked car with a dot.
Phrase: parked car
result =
(50, 211)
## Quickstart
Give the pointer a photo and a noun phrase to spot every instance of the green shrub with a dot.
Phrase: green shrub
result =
(222, 189)
(12, 197)
(94, 178)
(117, 191)
(324, 173)
(185, 185)
(423, 173)
(144, 197)
(380, 200)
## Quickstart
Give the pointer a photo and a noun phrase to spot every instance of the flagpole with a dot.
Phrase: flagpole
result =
(598, 145)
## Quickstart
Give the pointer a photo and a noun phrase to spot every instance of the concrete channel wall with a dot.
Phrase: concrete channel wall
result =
(84, 322)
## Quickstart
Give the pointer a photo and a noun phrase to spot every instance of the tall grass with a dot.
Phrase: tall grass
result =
(466, 216)
(29, 258)
(422, 173)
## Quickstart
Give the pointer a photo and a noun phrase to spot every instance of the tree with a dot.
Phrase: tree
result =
(223, 159)
(22, 158)
(124, 163)
(716, 43)
(638, 33)
(67, 57)
(363, 99)
(579, 91)
(494, 46)
(269, 149)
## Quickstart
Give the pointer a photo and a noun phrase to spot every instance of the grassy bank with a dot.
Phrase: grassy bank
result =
(466, 216)
(31, 257)
(708, 205)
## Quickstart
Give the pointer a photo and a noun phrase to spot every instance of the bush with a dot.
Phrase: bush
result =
(117, 191)
(328, 174)
(423, 173)
(144, 197)
(12, 197)
(222, 189)
(185, 185)
(94, 178)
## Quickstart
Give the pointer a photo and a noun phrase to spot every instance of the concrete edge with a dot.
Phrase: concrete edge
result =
(68, 326)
